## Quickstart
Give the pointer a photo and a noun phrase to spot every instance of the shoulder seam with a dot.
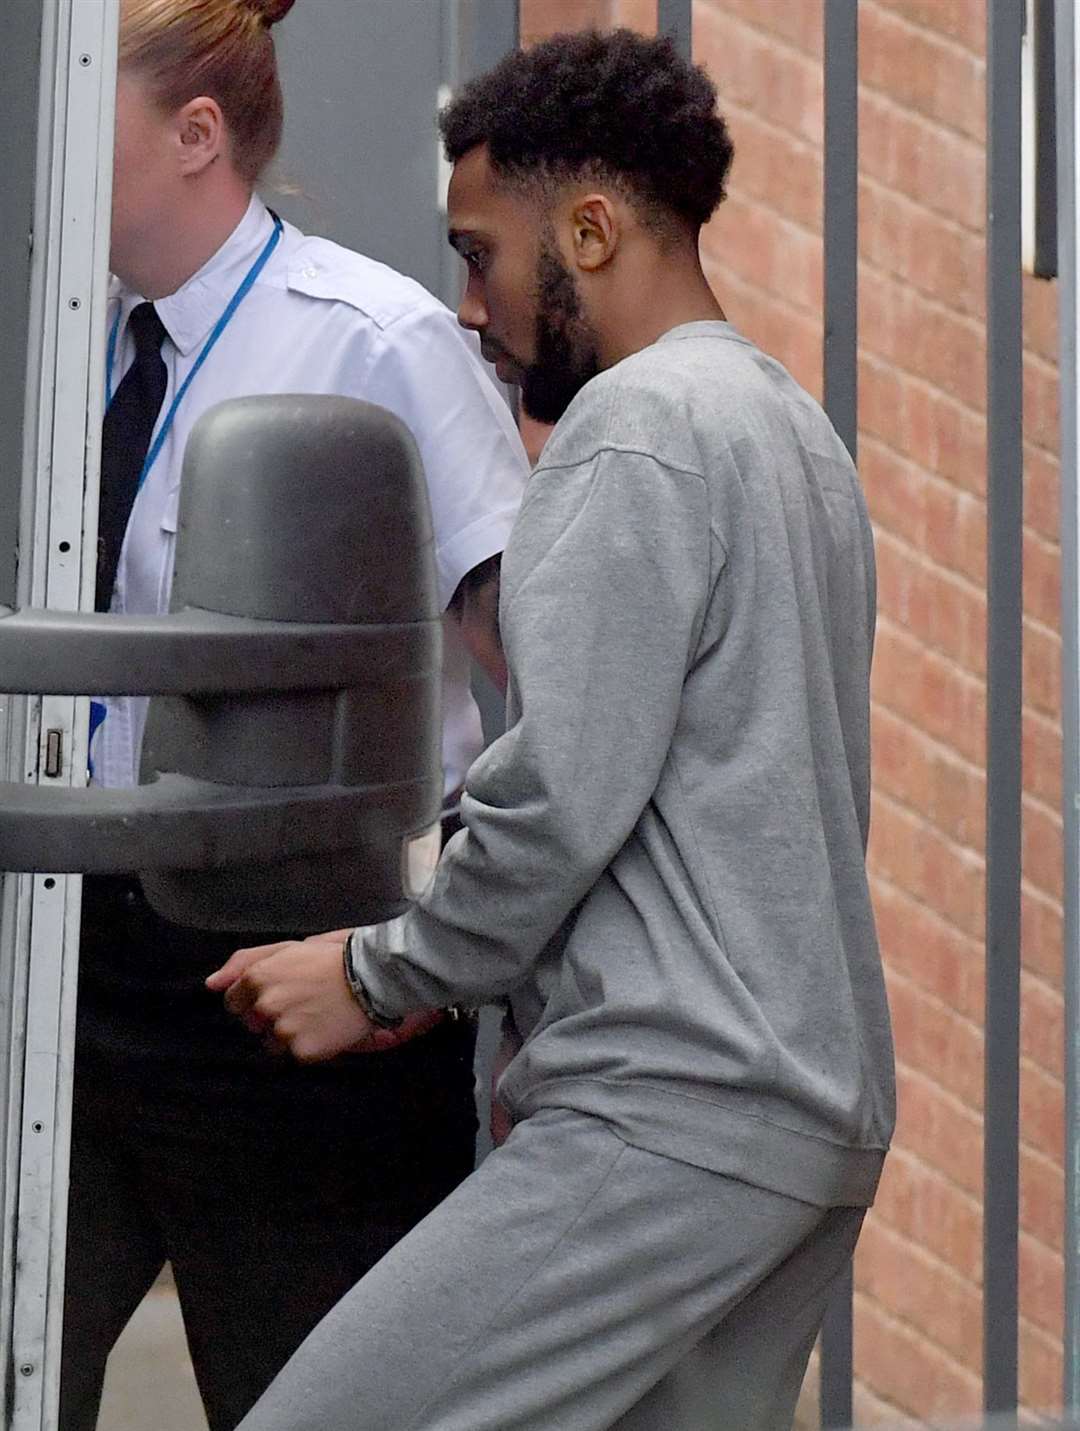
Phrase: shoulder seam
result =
(629, 451)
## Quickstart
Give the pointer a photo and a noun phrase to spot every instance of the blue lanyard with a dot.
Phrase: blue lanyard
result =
(219, 328)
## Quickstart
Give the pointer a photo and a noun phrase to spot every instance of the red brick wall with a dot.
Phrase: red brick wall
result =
(922, 456)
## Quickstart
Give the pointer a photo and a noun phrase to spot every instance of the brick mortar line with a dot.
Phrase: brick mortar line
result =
(776, 300)
(1026, 1061)
(782, 219)
(975, 1112)
(942, 748)
(865, 175)
(899, 1419)
(965, 1282)
(957, 667)
(1042, 806)
(1042, 627)
(813, 150)
(1034, 1329)
(873, 439)
(976, 412)
(937, 1263)
(1034, 977)
(890, 102)
(1026, 887)
(959, 230)
(973, 1027)
(906, 1155)
(773, 38)
(916, 1335)
(972, 325)
(976, 674)
(977, 944)
(946, 41)
(970, 854)
(943, 1176)
(867, 87)
(972, 955)
(870, 265)
(921, 559)
(928, 821)
(1051, 546)
(942, 1005)
(951, 576)
(1027, 796)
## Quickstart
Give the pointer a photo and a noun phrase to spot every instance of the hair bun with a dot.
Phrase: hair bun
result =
(269, 11)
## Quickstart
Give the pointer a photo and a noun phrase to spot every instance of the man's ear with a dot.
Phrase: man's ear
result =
(595, 231)
(200, 135)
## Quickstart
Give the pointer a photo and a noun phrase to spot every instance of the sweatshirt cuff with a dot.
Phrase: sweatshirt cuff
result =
(394, 985)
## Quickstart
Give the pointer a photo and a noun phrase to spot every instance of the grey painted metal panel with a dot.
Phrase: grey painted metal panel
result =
(1004, 685)
(1066, 42)
(840, 360)
(361, 85)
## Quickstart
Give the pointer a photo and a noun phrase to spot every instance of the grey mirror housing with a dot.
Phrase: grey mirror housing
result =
(292, 751)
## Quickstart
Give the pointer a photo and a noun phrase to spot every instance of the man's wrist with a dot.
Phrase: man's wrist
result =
(355, 981)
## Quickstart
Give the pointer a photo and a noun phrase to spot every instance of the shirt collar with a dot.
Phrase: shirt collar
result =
(191, 312)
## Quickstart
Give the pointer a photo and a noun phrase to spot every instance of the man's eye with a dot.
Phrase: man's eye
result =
(476, 260)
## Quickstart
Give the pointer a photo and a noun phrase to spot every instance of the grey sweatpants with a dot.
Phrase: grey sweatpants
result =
(575, 1283)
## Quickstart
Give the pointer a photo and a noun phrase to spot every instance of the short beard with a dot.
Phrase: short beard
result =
(566, 351)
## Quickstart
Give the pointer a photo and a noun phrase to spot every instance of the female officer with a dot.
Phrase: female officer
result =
(270, 1187)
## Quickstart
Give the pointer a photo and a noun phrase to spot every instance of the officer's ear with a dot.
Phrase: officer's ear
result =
(200, 135)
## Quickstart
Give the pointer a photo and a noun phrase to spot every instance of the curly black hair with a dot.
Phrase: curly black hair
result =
(617, 103)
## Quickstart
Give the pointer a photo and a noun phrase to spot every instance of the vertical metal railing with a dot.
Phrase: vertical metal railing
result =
(489, 30)
(840, 388)
(1004, 679)
(1065, 44)
(675, 19)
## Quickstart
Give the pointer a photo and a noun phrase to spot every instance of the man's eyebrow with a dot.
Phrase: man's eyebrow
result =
(462, 239)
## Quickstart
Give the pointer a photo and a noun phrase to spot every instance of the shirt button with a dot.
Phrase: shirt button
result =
(311, 272)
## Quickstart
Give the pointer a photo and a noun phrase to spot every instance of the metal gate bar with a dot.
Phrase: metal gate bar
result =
(491, 29)
(1004, 378)
(840, 388)
(674, 19)
(1065, 45)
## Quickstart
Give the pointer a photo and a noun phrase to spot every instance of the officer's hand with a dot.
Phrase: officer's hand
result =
(295, 995)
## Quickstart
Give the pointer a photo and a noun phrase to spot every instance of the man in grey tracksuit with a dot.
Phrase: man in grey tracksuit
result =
(662, 866)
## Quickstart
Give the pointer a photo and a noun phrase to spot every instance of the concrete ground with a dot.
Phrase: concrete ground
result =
(149, 1381)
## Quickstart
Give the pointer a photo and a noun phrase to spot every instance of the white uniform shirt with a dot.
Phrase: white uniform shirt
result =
(321, 319)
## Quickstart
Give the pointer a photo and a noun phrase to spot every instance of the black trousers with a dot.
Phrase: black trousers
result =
(271, 1187)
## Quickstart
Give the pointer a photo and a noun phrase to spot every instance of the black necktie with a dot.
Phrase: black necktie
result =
(125, 441)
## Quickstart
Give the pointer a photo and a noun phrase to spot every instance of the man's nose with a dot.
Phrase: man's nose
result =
(472, 312)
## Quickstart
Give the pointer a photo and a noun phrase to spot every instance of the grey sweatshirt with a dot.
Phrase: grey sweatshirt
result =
(663, 865)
